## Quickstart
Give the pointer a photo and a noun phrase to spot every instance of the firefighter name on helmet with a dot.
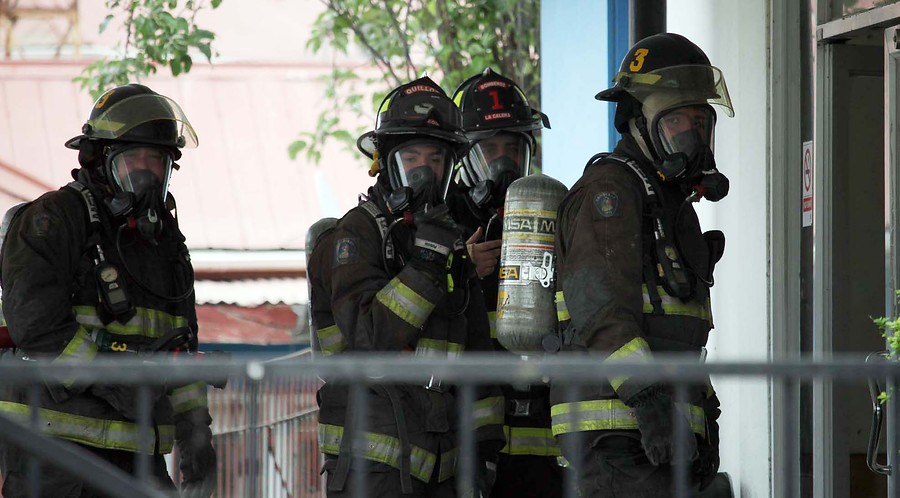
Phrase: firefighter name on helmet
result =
(499, 125)
(664, 92)
(417, 139)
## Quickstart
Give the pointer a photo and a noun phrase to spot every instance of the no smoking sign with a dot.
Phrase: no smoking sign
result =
(807, 183)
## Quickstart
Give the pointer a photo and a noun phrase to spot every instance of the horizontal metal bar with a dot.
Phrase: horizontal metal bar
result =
(473, 367)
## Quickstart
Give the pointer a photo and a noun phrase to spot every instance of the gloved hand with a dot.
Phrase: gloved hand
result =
(707, 464)
(124, 399)
(653, 408)
(196, 455)
(484, 255)
(437, 236)
(487, 475)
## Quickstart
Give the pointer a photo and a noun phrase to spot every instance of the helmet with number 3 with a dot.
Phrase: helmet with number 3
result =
(664, 92)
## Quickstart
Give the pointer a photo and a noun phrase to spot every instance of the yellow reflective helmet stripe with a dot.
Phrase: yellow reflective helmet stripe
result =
(611, 414)
(377, 448)
(405, 303)
(535, 441)
(99, 433)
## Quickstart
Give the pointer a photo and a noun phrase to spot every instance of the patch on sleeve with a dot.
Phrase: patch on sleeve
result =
(345, 252)
(607, 204)
(41, 224)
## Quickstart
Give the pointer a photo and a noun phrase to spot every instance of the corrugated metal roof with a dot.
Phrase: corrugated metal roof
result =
(250, 293)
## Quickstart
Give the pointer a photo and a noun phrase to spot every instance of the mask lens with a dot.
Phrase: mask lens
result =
(141, 169)
(421, 165)
(502, 155)
(685, 129)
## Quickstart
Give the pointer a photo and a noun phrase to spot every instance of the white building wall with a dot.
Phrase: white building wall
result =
(734, 35)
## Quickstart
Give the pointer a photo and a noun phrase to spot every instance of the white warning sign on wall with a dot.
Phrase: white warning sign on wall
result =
(807, 183)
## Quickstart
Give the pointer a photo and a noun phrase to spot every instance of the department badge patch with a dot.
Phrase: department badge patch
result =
(345, 252)
(607, 204)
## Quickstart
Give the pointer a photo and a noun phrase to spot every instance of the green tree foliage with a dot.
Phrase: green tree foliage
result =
(157, 33)
(446, 39)
(890, 330)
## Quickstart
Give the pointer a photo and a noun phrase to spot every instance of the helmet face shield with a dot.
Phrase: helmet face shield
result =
(141, 170)
(425, 166)
(501, 158)
(685, 85)
(686, 129)
(127, 115)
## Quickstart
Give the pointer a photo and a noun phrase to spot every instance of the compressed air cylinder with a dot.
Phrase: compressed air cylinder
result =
(313, 235)
(526, 310)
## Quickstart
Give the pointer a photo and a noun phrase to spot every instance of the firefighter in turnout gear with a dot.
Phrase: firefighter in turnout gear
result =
(100, 268)
(401, 283)
(500, 125)
(635, 272)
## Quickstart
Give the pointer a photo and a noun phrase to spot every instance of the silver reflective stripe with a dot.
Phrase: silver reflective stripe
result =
(674, 306)
(438, 348)
(562, 310)
(331, 340)
(378, 448)
(100, 433)
(405, 303)
(537, 441)
(187, 398)
(636, 350)
(607, 414)
(80, 349)
(146, 322)
(488, 411)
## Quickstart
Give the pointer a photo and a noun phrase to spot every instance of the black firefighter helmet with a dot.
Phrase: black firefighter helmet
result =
(500, 125)
(661, 74)
(417, 139)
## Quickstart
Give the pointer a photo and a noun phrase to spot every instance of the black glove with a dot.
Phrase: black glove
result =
(653, 408)
(437, 236)
(487, 475)
(707, 464)
(124, 399)
(196, 455)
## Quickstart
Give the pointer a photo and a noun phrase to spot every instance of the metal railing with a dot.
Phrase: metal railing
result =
(264, 420)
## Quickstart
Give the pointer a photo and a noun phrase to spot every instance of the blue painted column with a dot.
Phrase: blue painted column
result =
(578, 40)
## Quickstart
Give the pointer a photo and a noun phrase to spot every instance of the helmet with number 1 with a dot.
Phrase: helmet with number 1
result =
(500, 125)
(664, 92)
(417, 140)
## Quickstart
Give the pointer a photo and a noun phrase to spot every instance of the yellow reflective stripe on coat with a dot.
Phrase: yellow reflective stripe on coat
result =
(562, 311)
(80, 348)
(331, 340)
(145, 322)
(674, 306)
(438, 348)
(448, 464)
(536, 441)
(492, 321)
(636, 350)
(378, 448)
(405, 303)
(99, 433)
(187, 398)
(488, 411)
(611, 414)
